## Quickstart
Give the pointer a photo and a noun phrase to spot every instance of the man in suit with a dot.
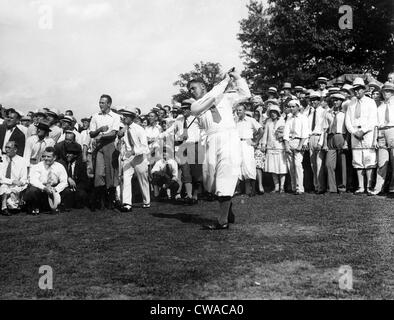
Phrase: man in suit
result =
(75, 194)
(10, 132)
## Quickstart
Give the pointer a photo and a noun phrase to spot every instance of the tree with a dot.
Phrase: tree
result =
(298, 41)
(210, 72)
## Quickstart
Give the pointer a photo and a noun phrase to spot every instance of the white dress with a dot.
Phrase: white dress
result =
(275, 161)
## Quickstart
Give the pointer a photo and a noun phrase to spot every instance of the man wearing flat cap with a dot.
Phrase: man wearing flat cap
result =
(385, 140)
(133, 155)
(36, 144)
(361, 121)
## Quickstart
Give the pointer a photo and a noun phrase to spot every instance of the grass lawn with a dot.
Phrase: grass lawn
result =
(281, 247)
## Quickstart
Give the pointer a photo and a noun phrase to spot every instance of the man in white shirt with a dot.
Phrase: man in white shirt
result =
(133, 155)
(36, 145)
(13, 178)
(361, 121)
(385, 139)
(221, 167)
(104, 127)
(248, 128)
(165, 177)
(295, 135)
(47, 180)
(335, 143)
(316, 120)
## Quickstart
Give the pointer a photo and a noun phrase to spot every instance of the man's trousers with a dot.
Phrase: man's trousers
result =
(385, 159)
(294, 163)
(139, 166)
(317, 161)
(336, 162)
(74, 199)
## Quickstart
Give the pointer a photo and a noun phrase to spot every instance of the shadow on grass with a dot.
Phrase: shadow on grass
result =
(184, 217)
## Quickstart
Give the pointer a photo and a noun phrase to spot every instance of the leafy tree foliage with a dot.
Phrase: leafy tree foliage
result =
(298, 41)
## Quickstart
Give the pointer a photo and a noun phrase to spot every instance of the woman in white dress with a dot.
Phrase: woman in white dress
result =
(273, 144)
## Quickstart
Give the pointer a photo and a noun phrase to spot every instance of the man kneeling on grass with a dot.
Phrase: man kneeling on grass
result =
(47, 180)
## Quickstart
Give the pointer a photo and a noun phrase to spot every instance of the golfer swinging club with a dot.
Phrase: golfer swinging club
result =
(221, 167)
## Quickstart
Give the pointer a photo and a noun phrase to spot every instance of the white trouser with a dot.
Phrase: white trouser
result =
(248, 162)
(139, 165)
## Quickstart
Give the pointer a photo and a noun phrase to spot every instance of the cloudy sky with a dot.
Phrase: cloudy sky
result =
(66, 53)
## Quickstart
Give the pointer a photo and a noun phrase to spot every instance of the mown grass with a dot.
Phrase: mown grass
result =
(281, 247)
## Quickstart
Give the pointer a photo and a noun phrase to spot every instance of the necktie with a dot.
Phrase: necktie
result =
(357, 113)
(8, 171)
(334, 124)
(314, 120)
(215, 114)
(387, 115)
(70, 170)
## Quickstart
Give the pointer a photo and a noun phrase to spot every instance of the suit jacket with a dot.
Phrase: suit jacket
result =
(17, 135)
(60, 150)
(80, 175)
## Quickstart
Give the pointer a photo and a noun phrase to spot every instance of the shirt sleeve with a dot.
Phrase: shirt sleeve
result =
(305, 131)
(286, 130)
(35, 177)
(27, 152)
(93, 124)
(348, 121)
(116, 123)
(63, 177)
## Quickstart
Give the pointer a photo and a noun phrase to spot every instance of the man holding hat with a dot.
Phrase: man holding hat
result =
(36, 144)
(335, 143)
(133, 154)
(385, 139)
(47, 180)
(52, 116)
(361, 120)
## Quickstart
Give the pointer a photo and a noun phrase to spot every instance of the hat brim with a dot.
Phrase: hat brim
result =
(359, 85)
(54, 201)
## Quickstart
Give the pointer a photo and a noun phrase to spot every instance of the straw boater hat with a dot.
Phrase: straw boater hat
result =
(322, 79)
(358, 82)
(298, 88)
(127, 111)
(67, 119)
(314, 95)
(273, 90)
(347, 87)
(333, 90)
(388, 86)
(53, 112)
(338, 96)
(286, 85)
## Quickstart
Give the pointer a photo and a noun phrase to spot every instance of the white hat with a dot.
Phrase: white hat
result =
(314, 94)
(294, 103)
(274, 108)
(358, 82)
(54, 200)
(128, 111)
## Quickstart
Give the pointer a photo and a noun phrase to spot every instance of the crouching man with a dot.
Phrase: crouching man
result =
(47, 180)
(13, 178)
(75, 195)
(165, 177)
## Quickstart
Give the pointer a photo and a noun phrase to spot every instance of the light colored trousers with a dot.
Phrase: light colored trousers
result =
(139, 166)
(317, 160)
(294, 163)
(385, 158)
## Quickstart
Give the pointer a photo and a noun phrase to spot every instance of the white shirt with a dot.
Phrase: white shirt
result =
(382, 113)
(296, 127)
(111, 119)
(18, 170)
(247, 127)
(139, 143)
(340, 122)
(224, 101)
(56, 176)
(160, 166)
(7, 137)
(320, 120)
(86, 139)
(34, 148)
(368, 119)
